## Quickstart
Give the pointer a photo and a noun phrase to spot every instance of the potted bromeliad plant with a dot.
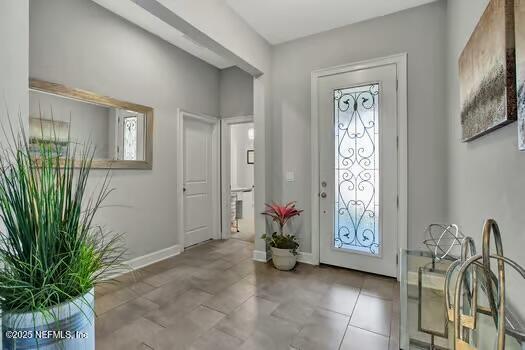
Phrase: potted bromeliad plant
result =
(284, 246)
(51, 253)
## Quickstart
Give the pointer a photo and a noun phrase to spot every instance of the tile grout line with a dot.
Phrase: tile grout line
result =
(147, 345)
(349, 319)
(149, 284)
(380, 297)
(300, 277)
(393, 316)
(145, 316)
(228, 334)
(377, 297)
(213, 309)
(369, 331)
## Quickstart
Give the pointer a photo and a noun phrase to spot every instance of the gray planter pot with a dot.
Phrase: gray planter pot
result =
(283, 259)
(74, 321)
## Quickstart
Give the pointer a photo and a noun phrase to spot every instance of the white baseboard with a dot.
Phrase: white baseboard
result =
(151, 258)
(148, 259)
(306, 258)
(261, 256)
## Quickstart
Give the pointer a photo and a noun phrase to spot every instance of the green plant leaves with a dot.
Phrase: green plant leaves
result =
(282, 241)
(51, 251)
(282, 214)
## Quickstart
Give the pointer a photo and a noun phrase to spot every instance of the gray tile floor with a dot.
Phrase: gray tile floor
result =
(214, 296)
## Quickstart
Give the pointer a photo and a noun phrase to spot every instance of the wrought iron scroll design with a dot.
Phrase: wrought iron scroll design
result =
(356, 113)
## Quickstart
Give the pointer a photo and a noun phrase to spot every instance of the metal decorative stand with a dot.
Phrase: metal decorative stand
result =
(453, 296)
(443, 241)
(468, 249)
(475, 271)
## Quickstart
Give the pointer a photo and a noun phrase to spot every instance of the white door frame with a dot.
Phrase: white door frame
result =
(215, 182)
(400, 60)
(225, 168)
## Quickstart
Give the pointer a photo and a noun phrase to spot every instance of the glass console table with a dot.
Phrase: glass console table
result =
(424, 322)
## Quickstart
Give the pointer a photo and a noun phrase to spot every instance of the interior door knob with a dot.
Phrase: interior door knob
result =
(323, 194)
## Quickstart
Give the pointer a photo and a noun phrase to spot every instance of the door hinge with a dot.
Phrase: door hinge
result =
(397, 201)
(397, 84)
(397, 258)
(397, 142)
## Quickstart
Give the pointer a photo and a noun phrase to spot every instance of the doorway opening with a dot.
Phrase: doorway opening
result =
(238, 135)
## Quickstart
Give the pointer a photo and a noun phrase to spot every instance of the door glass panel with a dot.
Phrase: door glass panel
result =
(356, 113)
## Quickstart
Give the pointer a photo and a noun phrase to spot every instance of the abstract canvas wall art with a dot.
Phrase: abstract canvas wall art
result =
(520, 69)
(487, 72)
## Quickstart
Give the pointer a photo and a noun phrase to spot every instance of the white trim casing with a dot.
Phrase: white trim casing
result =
(215, 182)
(306, 258)
(225, 170)
(400, 60)
(260, 256)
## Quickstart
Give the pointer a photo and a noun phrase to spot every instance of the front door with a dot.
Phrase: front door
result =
(197, 190)
(359, 167)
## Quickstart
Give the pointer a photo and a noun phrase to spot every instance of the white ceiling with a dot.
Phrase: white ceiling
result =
(276, 20)
(136, 14)
(283, 20)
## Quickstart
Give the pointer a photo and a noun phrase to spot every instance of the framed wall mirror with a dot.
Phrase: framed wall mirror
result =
(120, 132)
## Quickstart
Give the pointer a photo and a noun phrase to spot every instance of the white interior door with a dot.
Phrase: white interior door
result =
(197, 181)
(359, 169)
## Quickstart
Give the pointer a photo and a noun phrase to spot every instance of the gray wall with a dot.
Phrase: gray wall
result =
(420, 32)
(236, 93)
(80, 44)
(486, 176)
(14, 41)
(241, 172)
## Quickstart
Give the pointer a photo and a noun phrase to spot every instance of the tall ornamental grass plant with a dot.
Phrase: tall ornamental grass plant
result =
(51, 251)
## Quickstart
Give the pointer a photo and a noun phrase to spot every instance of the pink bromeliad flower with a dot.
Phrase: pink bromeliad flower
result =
(281, 214)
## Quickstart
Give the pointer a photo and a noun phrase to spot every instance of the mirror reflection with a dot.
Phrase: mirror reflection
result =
(120, 132)
(115, 133)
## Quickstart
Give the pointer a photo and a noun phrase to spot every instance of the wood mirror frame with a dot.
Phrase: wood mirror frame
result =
(94, 98)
